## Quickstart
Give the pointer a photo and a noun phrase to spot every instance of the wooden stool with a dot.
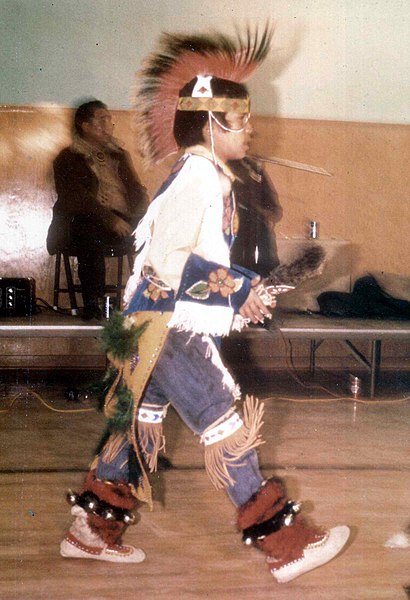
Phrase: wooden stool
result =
(75, 288)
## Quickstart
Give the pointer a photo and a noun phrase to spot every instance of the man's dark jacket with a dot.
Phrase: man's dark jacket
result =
(77, 186)
(257, 203)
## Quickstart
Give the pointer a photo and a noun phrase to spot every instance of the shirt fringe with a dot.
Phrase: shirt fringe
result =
(202, 319)
(223, 454)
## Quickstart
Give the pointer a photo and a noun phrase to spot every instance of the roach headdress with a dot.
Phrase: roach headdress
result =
(177, 61)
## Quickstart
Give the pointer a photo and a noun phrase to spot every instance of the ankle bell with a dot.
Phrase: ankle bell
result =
(94, 505)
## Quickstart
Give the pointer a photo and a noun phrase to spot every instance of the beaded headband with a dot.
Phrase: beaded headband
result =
(217, 104)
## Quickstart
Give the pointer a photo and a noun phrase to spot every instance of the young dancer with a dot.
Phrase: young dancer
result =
(183, 296)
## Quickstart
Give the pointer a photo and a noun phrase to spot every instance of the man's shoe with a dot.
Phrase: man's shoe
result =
(91, 312)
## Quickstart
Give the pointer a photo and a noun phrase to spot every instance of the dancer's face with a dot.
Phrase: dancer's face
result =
(232, 142)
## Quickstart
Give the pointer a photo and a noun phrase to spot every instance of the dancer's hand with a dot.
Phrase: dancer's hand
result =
(254, 309)
(265, 293)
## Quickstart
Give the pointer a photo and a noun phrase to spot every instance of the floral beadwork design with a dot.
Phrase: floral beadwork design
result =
(219, 282)
(156, 289)
(154, 293)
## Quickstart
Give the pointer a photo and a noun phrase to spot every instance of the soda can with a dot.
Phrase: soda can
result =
(313, 230)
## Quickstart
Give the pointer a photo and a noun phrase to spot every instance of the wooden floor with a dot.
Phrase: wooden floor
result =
(349, 461)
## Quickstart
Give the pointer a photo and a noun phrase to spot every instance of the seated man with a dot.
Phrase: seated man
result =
(100, 200)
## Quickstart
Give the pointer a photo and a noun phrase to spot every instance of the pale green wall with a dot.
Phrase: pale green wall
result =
(331, 59)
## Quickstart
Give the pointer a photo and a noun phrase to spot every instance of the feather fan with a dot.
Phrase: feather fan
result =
(307, 264)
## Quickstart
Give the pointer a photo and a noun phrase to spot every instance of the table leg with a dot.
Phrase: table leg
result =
(375, 365)
(312, 357)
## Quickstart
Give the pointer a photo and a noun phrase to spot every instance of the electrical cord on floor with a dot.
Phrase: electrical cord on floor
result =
(27, 391)
(291, 369)
(337, 399)
(47, 305)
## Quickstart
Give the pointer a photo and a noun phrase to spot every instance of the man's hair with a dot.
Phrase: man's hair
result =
(188, 125)
(85, 112)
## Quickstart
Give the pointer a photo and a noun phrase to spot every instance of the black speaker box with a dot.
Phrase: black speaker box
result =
(17, 296)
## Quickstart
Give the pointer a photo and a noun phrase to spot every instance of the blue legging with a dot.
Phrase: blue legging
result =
(199, 391)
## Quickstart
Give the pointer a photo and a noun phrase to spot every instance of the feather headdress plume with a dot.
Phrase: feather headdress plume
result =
(178, 59)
